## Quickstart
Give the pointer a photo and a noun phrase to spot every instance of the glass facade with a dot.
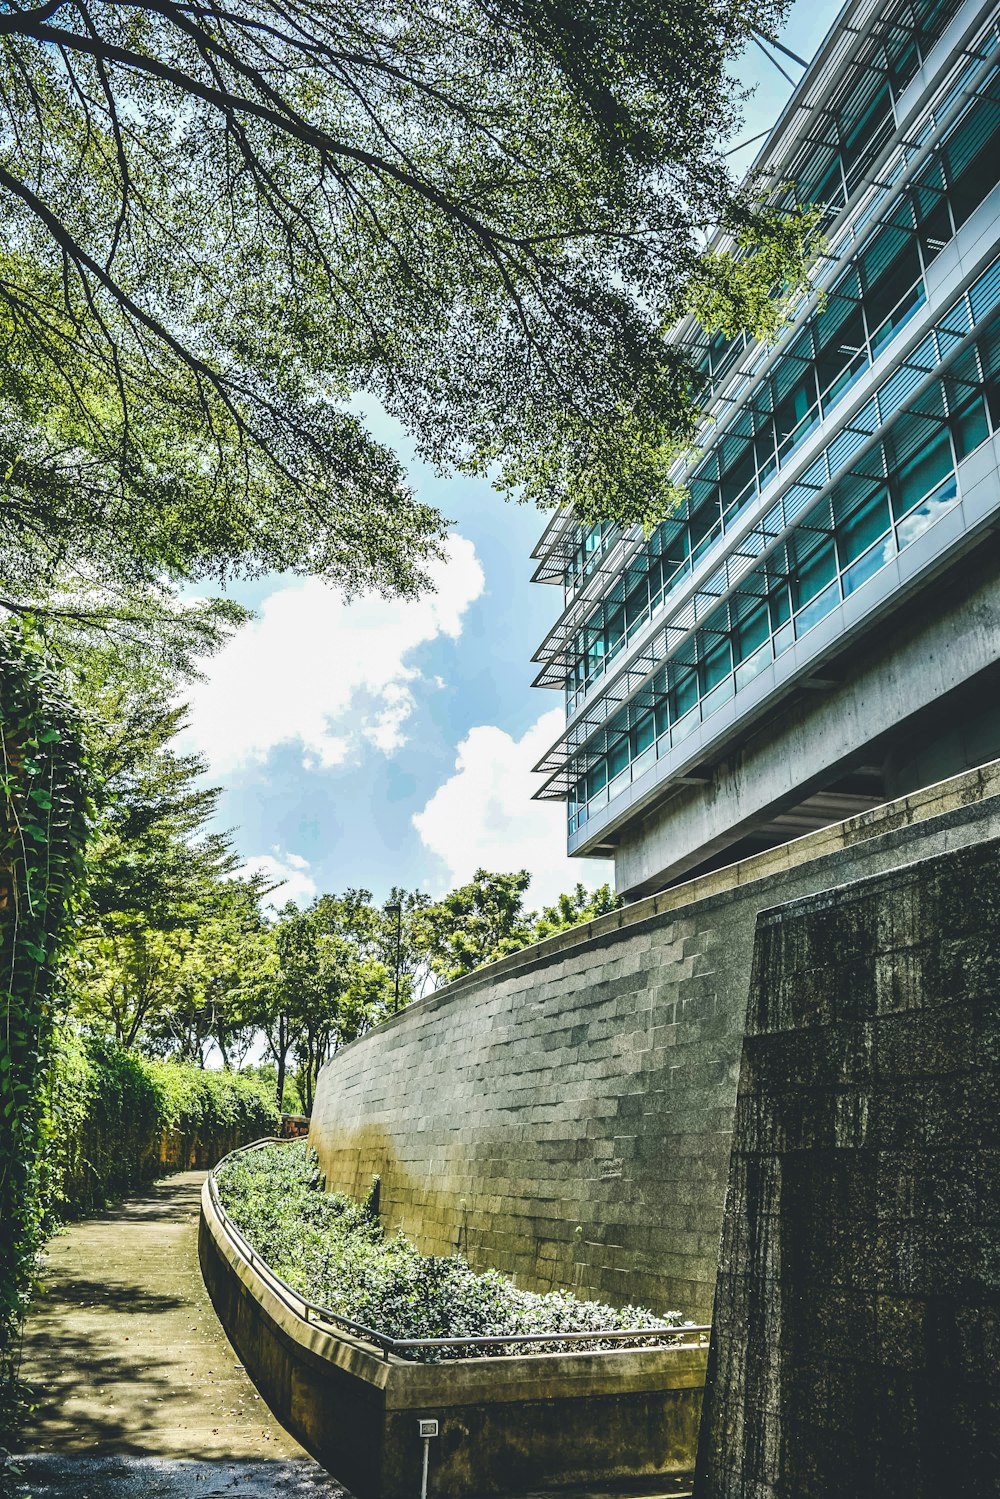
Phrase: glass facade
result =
(733, 579)
(869, 303)
(887, 497)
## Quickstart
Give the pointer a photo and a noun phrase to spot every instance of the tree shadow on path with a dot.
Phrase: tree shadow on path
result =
(133, 1385)
(65, 1291)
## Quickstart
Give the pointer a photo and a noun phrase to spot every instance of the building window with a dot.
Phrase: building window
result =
(643, 735)
(969, 426)
(868, 522)
(922, 474)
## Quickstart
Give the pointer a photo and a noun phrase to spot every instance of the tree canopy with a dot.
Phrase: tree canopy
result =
(475, 923)
(226, 219)
(174, 955)
(160, 952)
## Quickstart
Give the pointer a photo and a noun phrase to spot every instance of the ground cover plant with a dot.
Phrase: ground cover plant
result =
(335, 1252)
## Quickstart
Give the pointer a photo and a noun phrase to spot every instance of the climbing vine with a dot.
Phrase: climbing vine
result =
(43, 827)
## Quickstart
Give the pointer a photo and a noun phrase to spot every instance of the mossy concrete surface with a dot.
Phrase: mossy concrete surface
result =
(856, 1342)
(565, 1114)
(135, 1386)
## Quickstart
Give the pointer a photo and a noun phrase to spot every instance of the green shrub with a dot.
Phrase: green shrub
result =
(109, 1109)
(334, 1252)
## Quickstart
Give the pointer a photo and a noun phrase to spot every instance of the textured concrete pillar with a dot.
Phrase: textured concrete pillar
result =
(856, 1342)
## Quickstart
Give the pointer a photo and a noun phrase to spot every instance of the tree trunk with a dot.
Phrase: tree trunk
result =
(281, 1059)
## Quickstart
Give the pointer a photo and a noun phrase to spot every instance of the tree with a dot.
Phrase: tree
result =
(341, 982)
(486, 919)
(366, 999)
(164, 906)
(475, 923)
(247, 1007)
(332, 977)
(310, 977)
(306, 996)
(274, 1011)
(223, 222)
(380, 940)
(570, 910)
(215, 1001)
(400, 942)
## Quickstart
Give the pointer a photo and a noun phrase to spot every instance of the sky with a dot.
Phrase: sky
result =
(383, 743)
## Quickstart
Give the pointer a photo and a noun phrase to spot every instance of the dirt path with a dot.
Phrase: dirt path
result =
(136, 1388)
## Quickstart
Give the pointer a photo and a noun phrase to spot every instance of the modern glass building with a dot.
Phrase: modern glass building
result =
(818, 628)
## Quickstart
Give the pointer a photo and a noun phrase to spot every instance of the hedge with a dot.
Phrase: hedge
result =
(116, 1120)
(44, 813)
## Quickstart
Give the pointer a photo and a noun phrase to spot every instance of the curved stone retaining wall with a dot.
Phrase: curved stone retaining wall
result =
(566, 1114)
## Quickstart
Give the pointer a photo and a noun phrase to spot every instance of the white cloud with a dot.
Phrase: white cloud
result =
(483, 815)
(288, 872)
(327, 675)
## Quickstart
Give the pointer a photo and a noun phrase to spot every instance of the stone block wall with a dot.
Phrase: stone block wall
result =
(856, 1342)
(566, 1114)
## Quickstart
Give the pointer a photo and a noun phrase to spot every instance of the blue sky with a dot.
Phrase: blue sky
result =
(382, 743)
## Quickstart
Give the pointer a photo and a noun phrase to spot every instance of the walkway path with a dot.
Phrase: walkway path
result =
(137, 1388)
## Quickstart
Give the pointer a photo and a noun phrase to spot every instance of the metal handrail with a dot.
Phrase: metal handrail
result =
(608, 1334)
(387, 1345)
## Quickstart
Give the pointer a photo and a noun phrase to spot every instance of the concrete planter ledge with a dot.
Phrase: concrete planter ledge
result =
(507, 1425)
